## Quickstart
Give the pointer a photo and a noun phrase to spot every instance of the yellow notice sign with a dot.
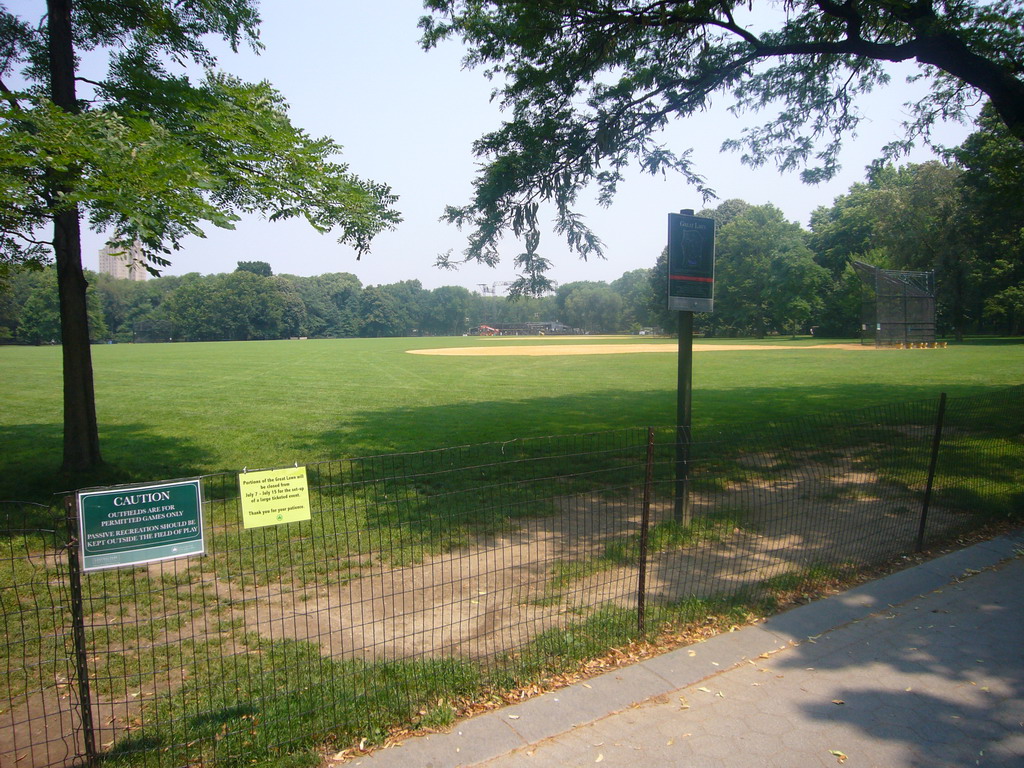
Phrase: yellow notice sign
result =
(274, 496)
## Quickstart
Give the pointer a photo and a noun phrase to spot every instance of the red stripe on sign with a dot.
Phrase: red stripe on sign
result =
(689, 279)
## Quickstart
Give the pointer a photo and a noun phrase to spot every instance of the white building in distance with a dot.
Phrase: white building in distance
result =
(124, 265)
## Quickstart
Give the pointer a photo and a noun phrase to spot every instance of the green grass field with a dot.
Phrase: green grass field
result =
(177, 410)
(173, 410)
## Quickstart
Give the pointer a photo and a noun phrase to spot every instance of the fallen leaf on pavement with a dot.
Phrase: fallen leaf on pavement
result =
(840, 757)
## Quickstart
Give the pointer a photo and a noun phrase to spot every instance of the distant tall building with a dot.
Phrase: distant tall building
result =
(122, 264)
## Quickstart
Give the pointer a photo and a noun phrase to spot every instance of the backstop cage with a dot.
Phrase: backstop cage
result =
(898, 308)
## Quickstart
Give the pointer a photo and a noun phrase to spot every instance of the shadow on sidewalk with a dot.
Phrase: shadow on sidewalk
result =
(942, 675)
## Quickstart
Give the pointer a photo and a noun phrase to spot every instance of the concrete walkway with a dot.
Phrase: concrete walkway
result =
(920, 669)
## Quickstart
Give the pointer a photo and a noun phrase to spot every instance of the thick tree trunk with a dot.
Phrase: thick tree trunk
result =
(81, 432)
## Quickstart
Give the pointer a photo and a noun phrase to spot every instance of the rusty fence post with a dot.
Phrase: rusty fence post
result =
(78, 633)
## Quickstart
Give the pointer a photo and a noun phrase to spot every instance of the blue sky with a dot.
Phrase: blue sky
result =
(354, 71)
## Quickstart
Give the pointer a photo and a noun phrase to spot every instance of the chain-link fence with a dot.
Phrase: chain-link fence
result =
(39, 713)
(424, 581)
(898, 306)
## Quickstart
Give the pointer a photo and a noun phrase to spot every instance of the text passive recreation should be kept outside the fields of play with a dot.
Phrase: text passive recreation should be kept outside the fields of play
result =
(140, 524)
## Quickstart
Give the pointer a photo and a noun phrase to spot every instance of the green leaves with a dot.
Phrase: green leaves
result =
(155, 157)
(230, 149)
(766, 275)
(177, 29)
(590, 83)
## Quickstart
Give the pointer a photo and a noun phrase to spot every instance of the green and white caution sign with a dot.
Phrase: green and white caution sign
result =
(134, 525)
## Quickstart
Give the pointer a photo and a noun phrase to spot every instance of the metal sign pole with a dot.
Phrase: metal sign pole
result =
(681, 512)
(691, 288)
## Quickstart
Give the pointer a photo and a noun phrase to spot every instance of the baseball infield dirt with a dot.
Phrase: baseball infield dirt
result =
(538, 350)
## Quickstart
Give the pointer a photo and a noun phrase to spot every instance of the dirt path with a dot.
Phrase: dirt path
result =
(498, 595)
(542, 350)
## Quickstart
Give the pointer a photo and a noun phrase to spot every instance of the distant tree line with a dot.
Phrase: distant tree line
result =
(962, 217)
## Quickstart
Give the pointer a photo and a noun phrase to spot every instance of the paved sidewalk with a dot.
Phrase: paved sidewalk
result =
(923, 668)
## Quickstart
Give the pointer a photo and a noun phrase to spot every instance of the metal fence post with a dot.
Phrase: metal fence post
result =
(78, 633)
(936, 442)
(645, 521)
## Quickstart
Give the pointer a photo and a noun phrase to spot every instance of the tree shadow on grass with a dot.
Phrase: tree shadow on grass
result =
(448, 497)
(30, 462)
(717, 414)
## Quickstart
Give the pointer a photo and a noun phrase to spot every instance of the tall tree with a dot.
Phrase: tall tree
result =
(593, 308)
(381, 313)
(446, 311)
(635, 289)
(491, 310)
(237, 306)
(661, 315)
(147, 154)
(766, 277)
(910, 218)
(993, 215)
(589, 83)
(39, 320)
(40, 314)
(918, 223)
(331, 303)
(261, 268)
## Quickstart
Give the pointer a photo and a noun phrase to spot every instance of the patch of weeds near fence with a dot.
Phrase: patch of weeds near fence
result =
(623, 551)
(670, 534)
(810, 580)
(32, 600)
(561, 651)
(279, 703)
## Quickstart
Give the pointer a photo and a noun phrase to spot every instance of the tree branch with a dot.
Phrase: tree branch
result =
(8, 96)
(25, 238)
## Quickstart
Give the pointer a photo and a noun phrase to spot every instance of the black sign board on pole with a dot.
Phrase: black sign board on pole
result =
(691, 288)
(691, 263)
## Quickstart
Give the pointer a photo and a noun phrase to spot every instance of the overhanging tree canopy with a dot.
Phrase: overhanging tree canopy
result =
(589, 83)
(148, 155)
